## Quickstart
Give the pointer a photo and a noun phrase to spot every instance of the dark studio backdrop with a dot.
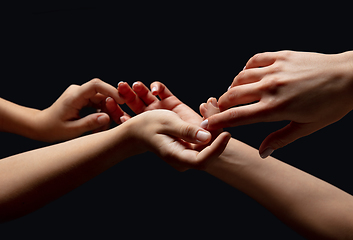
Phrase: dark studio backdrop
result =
(196, 50)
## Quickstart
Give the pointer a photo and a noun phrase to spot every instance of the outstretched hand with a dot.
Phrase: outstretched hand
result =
(140, 99)
(311, 90)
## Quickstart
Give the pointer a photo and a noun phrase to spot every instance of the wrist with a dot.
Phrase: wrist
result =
(347, 70)
(132, 131)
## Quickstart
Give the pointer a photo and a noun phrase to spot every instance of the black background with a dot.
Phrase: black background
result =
(196, 50)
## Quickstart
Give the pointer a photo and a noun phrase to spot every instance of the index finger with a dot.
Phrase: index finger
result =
(91, 88)
(237, 116)
(262, 60)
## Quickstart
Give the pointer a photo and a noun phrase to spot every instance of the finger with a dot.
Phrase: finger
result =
(249, 76)
(210, 108)
(211, 152)
(114, 110)
(239, 95)
(89, 123)
(188, 158)
(130, 98)
(97, 100)
(284, 136)
(262, 60)
(237, 116)
(144, 93)
(189, 132)
(90, 89)
(124, 118)
(158, 88)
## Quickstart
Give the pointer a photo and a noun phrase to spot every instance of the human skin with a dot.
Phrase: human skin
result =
(61, 121)
(32, 179)
(311, 90)
(310, 206)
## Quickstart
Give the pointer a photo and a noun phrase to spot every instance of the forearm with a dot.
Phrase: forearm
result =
(309, 205)
(32, 179)
(345, 72)
(17, 119)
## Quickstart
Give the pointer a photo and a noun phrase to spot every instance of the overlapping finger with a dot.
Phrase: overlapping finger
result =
(243, 94)
(130, 98)
(144, 93)
(262, 60)
(249, 76)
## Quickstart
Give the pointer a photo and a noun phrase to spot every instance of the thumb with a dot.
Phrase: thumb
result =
(284, 136)
(90, 122)
(188, 132)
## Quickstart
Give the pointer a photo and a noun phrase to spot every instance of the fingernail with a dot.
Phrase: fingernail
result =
(103, 119)
(244, 67)
(230, 87)
(154, 90)
(267, 152)
(134, 83)
(204, 124)
(107, 99)
(119, 83)
(122, 119)
(203, 136)
(214, 102)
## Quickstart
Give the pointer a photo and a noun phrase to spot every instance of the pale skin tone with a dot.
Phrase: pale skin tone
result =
(60, 168)
(311, 90)
(310, 206)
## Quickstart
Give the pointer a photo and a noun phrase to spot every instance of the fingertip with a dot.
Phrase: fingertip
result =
(103, 119)
(266, 153)
(202, 109)
(136, 86)
(203, 136)
(124, 119)
(155, 88)
(154, 91)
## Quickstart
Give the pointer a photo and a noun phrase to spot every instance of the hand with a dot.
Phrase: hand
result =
(61, 121)
(311, 90)
(167, 135)
(140, 99)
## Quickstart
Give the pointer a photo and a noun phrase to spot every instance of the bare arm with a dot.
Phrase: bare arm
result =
(310, 206)
(17, 119)
(32, 179)
(62, 121)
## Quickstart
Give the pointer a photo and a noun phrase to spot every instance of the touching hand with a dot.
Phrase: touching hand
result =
(311, 90)
(62, 121)
(140, 99)
(172, 139)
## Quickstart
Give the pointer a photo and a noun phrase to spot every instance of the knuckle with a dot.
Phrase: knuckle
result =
(232, 114)
(270, 85)
(95, 81)
(187, 131)
(72, 87)
(256, 57)
(285, 54)
(239, 79)
(232, 95)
